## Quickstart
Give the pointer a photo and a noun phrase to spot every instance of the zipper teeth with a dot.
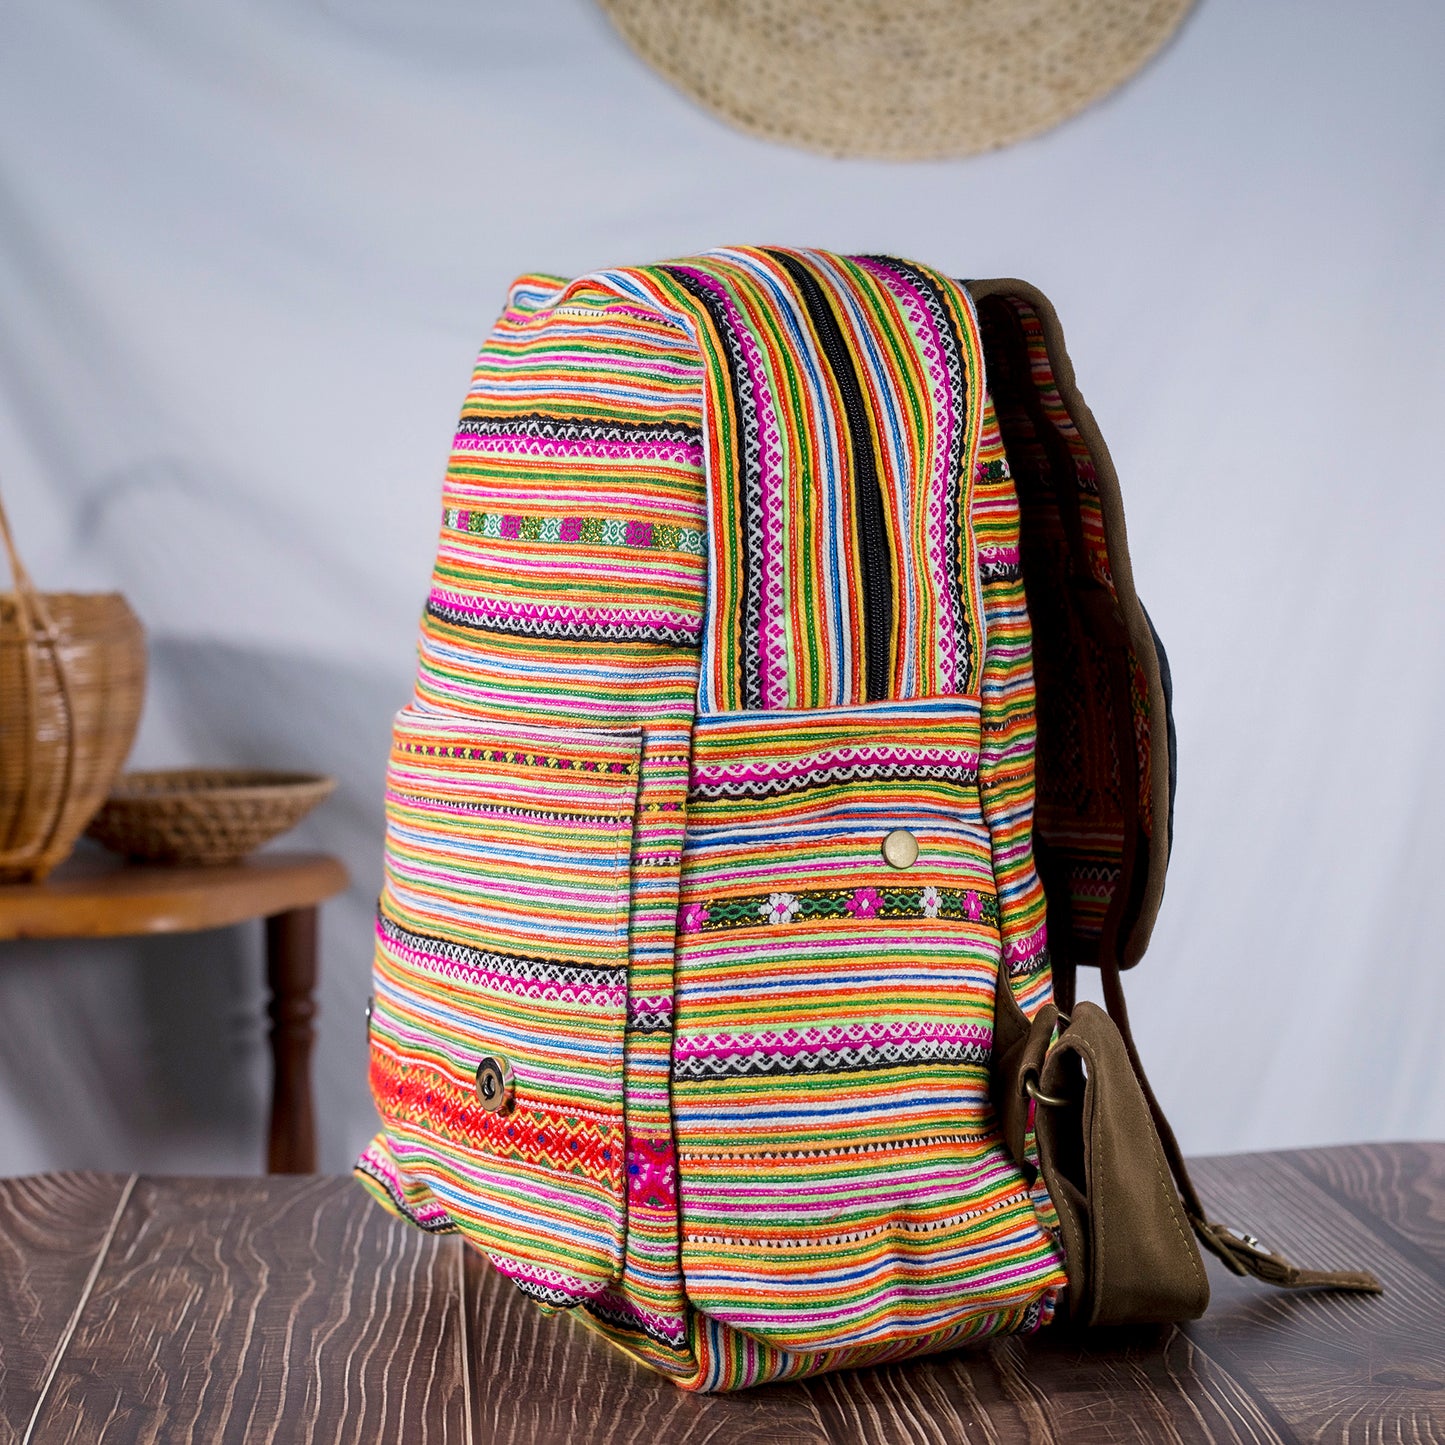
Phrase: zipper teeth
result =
(867, 491)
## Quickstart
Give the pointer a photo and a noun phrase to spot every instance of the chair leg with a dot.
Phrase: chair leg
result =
(291, 974)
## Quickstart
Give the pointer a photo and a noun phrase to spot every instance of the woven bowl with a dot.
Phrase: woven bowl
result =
(203, 815)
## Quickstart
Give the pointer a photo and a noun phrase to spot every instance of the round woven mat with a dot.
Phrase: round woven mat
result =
(896, 81)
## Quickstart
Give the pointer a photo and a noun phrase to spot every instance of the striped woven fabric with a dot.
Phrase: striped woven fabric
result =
(729, 588)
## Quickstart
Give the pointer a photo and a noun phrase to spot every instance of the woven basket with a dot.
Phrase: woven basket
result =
(204, 816)
(910, 80)
(72, 678)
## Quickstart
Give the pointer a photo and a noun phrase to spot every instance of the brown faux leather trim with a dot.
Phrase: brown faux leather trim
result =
(1132, 947)
(1130, 1251)
(1018, 1054)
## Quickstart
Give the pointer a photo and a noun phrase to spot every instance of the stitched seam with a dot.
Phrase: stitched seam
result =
(1096, 1211)
(1171, 1195)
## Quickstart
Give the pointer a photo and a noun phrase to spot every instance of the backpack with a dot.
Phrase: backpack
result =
(787, 734)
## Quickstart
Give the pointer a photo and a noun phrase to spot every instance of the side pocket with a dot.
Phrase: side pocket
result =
(497, 1029)
(842, 1178)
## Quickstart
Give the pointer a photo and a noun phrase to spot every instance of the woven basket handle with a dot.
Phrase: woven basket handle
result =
(35, 619)
(37, 626)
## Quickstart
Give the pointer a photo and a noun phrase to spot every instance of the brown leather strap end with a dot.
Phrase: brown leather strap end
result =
(1243, 1255)
(1022, 1058)
(1128, 1248)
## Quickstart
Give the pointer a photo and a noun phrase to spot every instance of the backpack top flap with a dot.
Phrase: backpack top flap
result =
(1105, 754)
(1104, 763)
(1105, 759)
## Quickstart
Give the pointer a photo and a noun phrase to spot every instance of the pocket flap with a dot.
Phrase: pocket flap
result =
(502, 947)
(841, 1177)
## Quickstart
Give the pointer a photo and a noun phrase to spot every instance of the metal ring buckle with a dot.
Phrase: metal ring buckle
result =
(1031, 1088)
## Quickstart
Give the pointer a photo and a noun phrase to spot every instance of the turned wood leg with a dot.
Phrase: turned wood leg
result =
(291, 974)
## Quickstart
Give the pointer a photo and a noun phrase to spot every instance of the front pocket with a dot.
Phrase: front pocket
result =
(842, 1180)
(502, 944)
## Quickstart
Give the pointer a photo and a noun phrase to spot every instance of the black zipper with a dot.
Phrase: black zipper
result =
(867, 491)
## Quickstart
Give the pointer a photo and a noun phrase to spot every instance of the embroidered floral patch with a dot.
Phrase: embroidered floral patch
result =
(694, 915)
(779, 908)
(651, 1173)
(772, 910)
(865, 903)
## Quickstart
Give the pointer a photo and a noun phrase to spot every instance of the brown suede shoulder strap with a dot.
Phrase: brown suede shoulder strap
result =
(1106, 1148)
(1099, 676)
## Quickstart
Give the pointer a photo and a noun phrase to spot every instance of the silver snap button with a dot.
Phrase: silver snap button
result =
(370, 1004)
(900, 849)
(494, 1084)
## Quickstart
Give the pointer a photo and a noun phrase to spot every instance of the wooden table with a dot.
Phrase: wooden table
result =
(96, 895)
(289, 1310)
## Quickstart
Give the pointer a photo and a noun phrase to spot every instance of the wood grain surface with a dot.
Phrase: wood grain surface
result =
(94, 894)
(292, 1309)
(52, 1229)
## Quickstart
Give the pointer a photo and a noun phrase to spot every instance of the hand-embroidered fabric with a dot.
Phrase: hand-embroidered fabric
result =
(731, 586)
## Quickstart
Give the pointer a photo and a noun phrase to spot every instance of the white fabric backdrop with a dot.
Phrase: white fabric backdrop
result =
(247, 252)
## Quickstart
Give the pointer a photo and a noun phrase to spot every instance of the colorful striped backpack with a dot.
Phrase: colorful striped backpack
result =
(787, 734)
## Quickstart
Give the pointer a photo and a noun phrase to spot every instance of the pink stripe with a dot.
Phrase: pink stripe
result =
(916, 1290)
(741, 1199)
(819, 762)
(493, 607)
(1009, 555)
(789, 1045)
(1029, 946)
(665, 451)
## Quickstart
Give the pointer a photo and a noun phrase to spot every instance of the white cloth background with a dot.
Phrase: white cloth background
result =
(247, 253)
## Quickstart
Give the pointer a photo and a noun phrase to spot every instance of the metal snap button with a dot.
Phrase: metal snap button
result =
(900, 849)
(370, 1004)
(494, 1084)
